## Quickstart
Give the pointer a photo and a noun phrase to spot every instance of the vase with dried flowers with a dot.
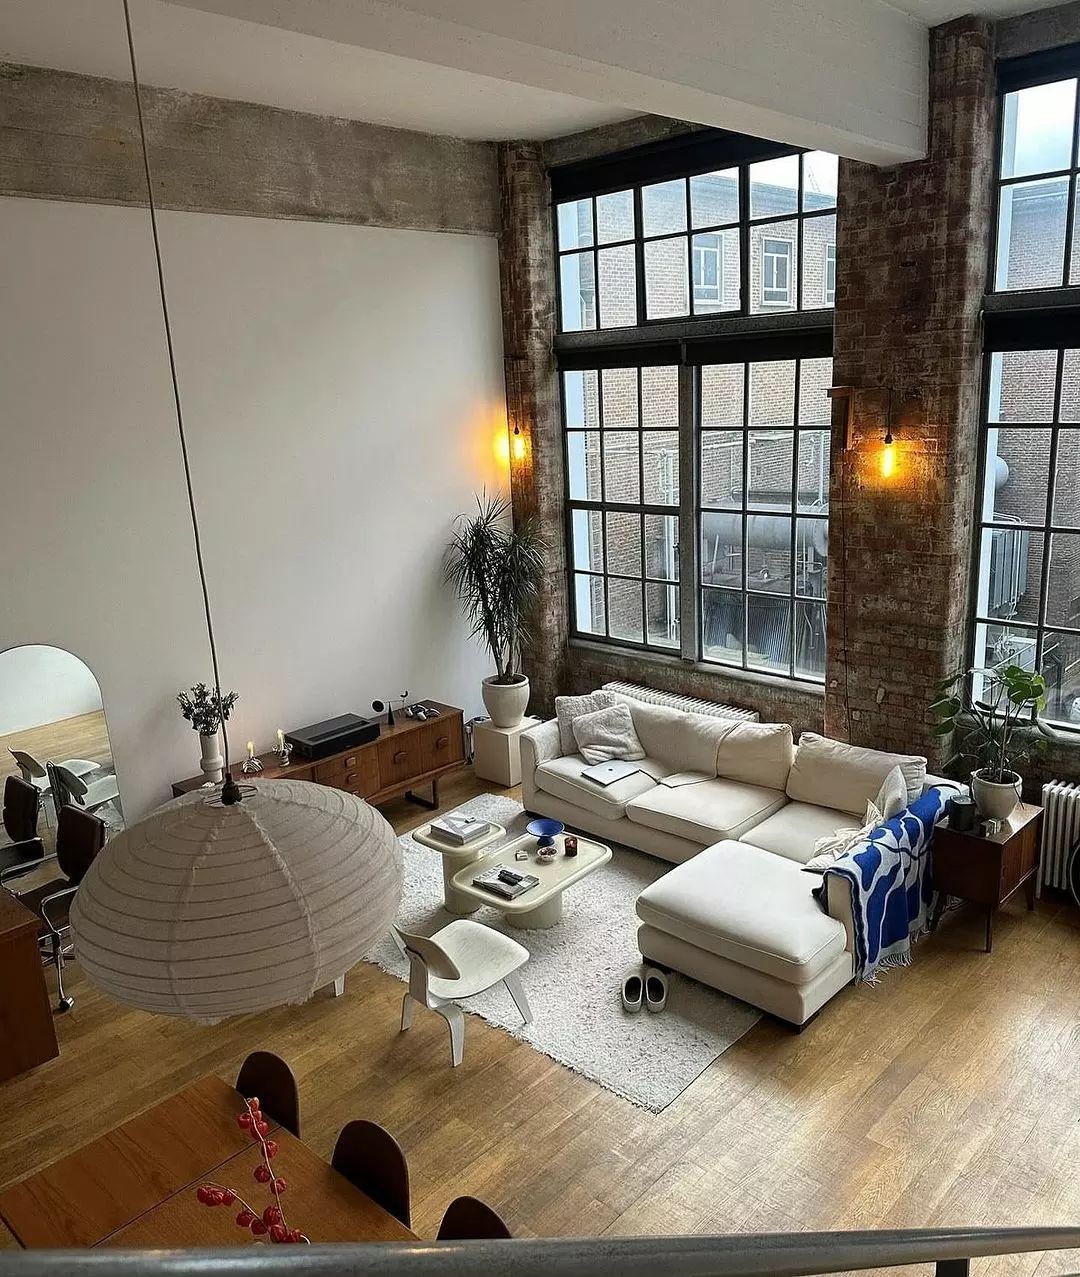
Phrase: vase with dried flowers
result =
(270, 1222)
(205, 710)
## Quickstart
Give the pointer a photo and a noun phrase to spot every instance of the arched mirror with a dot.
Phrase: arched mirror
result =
(54, 735)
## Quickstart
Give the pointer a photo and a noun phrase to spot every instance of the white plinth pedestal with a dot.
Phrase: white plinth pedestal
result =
(496, 752)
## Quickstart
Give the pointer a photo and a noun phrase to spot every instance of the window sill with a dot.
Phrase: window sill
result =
(752, 678)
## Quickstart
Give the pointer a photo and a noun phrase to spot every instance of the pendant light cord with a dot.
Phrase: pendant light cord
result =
(230, 791)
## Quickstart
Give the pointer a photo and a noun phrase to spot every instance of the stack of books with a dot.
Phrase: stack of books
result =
(459, 831)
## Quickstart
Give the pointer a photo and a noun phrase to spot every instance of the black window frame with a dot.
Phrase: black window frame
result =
(704, 151)
(1027, 319)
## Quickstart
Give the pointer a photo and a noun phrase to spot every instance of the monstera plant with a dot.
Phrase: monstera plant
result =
(990, 727)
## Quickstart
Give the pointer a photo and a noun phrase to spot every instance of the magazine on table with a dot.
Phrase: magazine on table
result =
(503, 881)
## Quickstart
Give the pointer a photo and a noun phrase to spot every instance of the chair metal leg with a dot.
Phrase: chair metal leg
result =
(66, 1002)
(455, 1018)
(339, 986)
(408, 1005)
(517, 992)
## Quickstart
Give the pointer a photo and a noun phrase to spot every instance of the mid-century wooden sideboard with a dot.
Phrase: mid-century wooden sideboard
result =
(407, 755)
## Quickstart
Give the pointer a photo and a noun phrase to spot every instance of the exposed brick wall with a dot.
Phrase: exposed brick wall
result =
(913, 246)
(912, 252)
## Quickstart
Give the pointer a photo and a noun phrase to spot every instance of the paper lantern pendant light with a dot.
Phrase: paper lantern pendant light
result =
(205, 910)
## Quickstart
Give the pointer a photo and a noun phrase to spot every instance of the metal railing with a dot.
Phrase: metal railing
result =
(737, 1255)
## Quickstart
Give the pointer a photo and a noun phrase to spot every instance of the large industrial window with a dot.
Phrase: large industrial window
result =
(1027, 602)
(622, 466)
(726, 241)
(1026, 595)
(697, 436)
(763, 442)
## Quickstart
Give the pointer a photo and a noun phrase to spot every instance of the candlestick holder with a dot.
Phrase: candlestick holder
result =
(284, 754)
(251, 766)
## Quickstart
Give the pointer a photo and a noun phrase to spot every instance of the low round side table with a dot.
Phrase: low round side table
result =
(455, 859)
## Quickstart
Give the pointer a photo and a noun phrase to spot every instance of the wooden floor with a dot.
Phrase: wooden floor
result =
(83, 737)
(948, 1094)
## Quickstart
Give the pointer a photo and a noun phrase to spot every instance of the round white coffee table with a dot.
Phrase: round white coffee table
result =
(457, 858)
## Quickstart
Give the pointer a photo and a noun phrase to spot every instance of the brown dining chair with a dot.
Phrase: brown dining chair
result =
(371, 1160)
(25, 852)
(270, 1078)
(470, 1219)
(79, 838)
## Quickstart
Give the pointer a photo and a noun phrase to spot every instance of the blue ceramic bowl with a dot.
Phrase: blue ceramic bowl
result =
(545, 830)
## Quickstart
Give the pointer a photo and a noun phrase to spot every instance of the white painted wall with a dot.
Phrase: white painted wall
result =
(342, 390)
(43, 685)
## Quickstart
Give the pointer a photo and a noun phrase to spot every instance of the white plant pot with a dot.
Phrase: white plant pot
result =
(994, 799)
(212, 762)
(506, 703)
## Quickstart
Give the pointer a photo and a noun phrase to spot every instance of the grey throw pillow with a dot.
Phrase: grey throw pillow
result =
(607, 734)
(567, 708)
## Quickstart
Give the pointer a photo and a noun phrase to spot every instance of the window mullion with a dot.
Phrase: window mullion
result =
(689, 500)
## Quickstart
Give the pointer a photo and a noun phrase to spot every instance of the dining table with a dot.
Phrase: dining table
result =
(135, 1186)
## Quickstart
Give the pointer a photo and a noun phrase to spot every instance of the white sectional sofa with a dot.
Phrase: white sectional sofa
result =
(737, 911)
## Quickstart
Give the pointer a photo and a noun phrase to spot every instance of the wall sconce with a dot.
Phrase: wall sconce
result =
(517, 445)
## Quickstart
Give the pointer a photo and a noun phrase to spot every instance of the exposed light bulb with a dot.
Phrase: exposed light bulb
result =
(519, 446)
(888, 456)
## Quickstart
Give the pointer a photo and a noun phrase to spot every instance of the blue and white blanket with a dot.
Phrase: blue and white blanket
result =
(892, 884)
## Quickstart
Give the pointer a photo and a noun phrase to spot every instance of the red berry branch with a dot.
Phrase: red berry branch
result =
(271, 1222)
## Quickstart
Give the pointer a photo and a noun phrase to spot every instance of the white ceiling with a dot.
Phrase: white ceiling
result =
(226, 57)
(934, 12)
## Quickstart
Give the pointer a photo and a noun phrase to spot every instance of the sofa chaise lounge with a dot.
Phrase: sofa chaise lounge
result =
(738, 809)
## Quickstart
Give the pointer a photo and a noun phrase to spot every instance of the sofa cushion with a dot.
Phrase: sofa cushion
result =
(686, 742)
(795, 828)
(830, 773)
(562, 778)
(567, 708)
(746, 905)
(755, 753)
(606, 734)
(706, 812)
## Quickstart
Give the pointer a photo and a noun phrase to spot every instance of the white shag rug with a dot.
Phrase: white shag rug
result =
(574, 976)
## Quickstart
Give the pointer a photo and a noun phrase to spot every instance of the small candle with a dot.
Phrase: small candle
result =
(280, 739)
(251, 749)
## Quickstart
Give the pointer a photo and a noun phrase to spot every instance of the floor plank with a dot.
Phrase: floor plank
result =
(85, 736)
(948, 1094)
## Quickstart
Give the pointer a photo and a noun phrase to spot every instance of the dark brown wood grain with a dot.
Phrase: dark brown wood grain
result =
(405, 755)
(988, 869)
(27, 1034)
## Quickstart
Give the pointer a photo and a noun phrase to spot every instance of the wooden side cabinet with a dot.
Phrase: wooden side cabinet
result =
(27, 1033)
(988, 869)
(406, 756)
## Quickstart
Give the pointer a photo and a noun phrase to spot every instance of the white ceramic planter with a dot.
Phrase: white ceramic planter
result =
(212, 762)
(506, 703)
(995, 800)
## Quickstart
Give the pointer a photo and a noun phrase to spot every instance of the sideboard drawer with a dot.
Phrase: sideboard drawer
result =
(441, 744)
(399, 759)
(358, 772)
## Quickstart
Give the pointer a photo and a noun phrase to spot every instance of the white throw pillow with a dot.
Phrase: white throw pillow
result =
(567, 708)
(893, 795)
(606, 734)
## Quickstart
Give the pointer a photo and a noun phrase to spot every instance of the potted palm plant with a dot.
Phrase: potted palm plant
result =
(992, 729)
(496, 568)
